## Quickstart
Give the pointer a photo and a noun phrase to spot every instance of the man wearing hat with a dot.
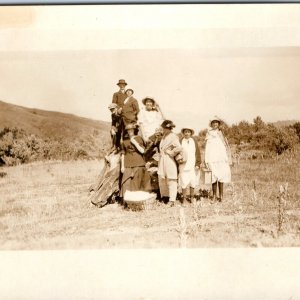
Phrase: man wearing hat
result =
(120, 96)
(192, 162)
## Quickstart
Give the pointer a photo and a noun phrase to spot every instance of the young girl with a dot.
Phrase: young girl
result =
(135, 176)
(150, 118)
(187, 170)
(217, 158)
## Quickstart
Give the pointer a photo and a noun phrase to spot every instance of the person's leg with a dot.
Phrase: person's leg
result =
(172, 185)
(221, 185)
(163, 187)
(214, 190)
(192, 194)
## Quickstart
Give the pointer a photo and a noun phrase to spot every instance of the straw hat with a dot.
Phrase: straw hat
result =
(112, 106)
(187, 128)
(215, 119)
(148, 98)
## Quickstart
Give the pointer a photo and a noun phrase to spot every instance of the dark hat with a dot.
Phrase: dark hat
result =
(188, 128)
(122, 81)
(148, 98)
(167, 124)
(131, 126)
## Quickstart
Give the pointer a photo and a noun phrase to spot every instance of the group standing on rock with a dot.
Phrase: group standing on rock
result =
(155, 159)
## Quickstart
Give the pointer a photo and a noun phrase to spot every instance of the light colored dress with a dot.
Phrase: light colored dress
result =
(149, 121)
(187, 172)
(167, 167)
(216, 156)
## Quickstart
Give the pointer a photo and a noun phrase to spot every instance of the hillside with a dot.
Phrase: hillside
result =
(90, 135)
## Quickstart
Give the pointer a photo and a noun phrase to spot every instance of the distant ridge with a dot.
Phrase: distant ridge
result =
(284, 123)
(92, 135)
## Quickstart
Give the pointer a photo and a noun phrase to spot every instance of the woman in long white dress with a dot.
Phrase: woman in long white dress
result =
(217, 158)
(150, 117)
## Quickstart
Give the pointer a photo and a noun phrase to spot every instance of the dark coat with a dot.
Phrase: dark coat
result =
(130, 111)
(198, 153)
(119, 98)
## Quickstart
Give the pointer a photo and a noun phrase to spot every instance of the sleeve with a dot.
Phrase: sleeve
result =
(114, 98)
(123, 149)
(198, 153)
(136, 106)
(176, 146)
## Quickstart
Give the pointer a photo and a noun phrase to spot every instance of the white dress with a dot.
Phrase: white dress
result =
(216, 156)
(187, 172)
(149, 121)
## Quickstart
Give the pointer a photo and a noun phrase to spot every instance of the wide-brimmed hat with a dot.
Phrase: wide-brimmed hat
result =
(129, 89)
(167, 124)
(121, 81)
(215, 119)
(131, 126)
(112, 106)
(188, 128)
(148, 98)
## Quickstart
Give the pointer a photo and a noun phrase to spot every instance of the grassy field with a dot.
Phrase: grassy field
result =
(45, 206)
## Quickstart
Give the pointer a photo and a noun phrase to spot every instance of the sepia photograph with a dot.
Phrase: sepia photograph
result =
(149, 127)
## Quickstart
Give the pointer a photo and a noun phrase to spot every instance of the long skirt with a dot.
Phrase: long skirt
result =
(220, 172)
(135, 179)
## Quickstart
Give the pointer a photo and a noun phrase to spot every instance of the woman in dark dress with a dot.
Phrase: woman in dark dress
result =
(135, 176)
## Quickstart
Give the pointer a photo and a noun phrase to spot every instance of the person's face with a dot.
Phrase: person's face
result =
(130, 132)
(129, 93)
(165, 130)
(187, 133)
(122, 86)
(149, 105)
(215, 125)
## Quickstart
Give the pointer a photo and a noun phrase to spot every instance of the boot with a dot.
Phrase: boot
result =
(220, 191)
(192, 195)
(214, 190)
(184, 200)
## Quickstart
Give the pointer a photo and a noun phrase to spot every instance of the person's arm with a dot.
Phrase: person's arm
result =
(138, 145)
(136, 107)
(198, 154)
(115, 98)
(175, 147)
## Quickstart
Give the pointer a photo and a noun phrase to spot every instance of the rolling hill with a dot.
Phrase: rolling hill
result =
(90, 135)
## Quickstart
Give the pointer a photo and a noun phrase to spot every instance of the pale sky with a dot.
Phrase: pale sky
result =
(197, 61)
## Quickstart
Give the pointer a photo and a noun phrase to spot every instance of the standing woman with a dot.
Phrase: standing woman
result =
(167, 167)
(135, 177)
(130, 108)
(217, 158)
(150, 118)
(187, 170)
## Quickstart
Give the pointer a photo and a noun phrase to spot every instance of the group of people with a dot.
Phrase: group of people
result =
(155, 159)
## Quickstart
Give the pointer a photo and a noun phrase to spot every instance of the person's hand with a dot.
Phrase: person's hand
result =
(148, 164)
(120, 110)
(132, 140)
(122, 169)
(113, 132)
(197, 167)
(169, 152)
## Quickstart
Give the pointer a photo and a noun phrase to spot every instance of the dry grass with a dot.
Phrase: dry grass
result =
(45, 206)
